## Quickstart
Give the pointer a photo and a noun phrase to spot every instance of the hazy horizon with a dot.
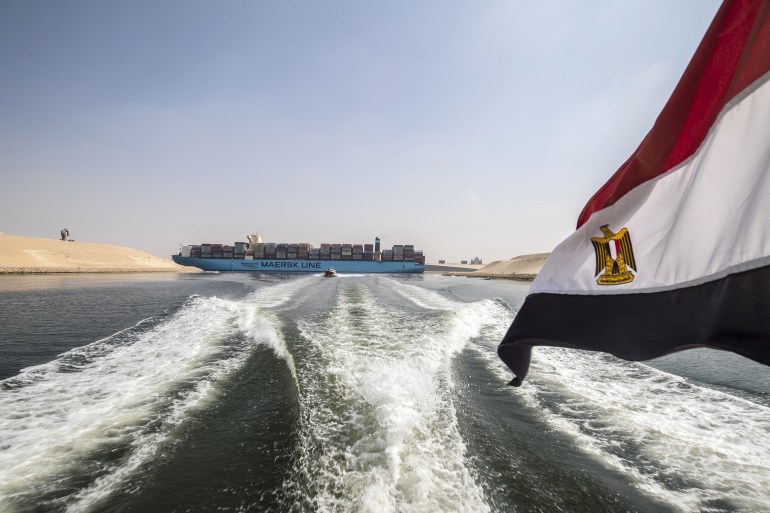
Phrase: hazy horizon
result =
(466, 129)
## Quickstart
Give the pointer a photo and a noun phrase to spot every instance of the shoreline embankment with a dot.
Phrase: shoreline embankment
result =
(30, 255)
(520, 268)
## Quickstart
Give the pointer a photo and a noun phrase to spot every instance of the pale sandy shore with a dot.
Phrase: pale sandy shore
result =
(523, 267)
(444, 268)
(33, 255)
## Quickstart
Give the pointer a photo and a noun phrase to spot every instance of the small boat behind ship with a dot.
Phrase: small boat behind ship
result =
(330, 273)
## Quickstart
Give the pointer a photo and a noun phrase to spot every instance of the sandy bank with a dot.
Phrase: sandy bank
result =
(523, 267)
(445, 268)
(33, 255)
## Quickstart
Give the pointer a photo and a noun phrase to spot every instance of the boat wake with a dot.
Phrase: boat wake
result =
(379, 430)
(383, 372)
(83, 422)
(692, 448)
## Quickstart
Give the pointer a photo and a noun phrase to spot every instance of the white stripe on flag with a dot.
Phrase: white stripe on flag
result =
(697, 223)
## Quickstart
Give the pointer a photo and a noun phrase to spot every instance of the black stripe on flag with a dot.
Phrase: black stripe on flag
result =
(732, 313)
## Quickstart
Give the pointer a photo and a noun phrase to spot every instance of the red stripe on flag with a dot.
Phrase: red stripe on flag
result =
(734, 53)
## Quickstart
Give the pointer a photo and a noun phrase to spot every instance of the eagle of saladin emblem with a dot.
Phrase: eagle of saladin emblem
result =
(614, 255)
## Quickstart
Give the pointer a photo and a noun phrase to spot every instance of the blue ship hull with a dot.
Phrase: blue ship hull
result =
(299, 266)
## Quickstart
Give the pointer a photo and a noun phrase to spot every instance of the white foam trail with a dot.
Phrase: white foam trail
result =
(694, 448)
(715, 443)
(279, 295)
(383, 375)
(128, 391)
(422, 297)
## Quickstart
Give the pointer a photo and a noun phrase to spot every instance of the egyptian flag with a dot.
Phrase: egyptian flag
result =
(673, 252)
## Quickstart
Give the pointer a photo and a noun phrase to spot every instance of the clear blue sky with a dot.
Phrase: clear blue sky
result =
(474, 128)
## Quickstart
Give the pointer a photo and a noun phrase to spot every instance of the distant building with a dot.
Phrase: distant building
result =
(463, 262)
(477, 260)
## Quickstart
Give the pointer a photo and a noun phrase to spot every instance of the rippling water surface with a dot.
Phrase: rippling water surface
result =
(246, 392)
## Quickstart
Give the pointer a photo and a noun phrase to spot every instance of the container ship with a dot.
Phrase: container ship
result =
(256, 255)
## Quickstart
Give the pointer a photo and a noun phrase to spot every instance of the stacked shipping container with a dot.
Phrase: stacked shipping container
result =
(304, 251)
